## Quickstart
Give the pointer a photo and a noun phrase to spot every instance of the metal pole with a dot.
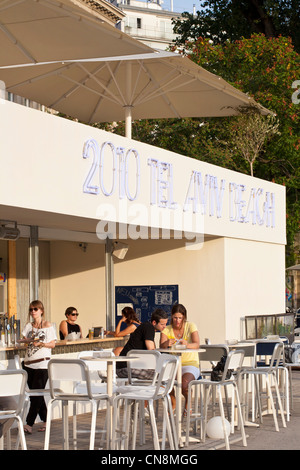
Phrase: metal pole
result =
(109, 285)
(128, 122)
(128, 97)
(34, 263)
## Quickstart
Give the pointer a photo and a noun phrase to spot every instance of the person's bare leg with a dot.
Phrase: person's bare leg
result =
(186, 379)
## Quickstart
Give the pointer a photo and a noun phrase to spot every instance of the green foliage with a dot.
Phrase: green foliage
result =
(265, 69)
(223, 20)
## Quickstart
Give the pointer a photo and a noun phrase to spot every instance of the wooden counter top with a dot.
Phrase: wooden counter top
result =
(68, 346)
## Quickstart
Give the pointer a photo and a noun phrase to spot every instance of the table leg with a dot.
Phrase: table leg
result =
(109, 403)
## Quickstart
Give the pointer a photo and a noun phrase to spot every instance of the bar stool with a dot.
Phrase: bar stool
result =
(12, 388)
(167, 366)
(234, 363)
(270, 374)
(210, 353)
(70, 372)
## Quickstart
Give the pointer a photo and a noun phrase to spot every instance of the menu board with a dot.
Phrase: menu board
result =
(145, 299)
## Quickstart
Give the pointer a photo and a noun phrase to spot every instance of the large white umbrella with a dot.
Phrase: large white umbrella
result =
(296, 267)
(34, 31)
(145, 86)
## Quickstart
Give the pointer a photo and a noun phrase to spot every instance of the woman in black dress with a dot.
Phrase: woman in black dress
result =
(69, 325)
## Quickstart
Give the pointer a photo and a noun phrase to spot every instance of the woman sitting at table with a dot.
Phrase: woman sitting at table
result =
(127, 325)
(69, 325)
(180, 331)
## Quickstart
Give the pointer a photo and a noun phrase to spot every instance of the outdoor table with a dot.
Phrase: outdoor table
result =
(110, 362)
(178, 418)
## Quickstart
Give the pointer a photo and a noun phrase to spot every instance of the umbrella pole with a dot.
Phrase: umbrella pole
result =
(128, 122)
(2, 90)
(128, 107)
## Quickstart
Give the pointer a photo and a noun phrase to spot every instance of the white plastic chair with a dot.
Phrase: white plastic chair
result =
(98, 376)
(147, 359)
(30, 392)
(166, 367)
(98, 370)
(12, 385)
(210, 353)
(270, 373)
(234, 363)
(74, 371)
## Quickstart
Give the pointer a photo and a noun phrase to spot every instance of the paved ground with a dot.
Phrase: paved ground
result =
(262, 438)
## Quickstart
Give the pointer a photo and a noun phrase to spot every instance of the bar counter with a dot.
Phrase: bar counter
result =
(64, 347)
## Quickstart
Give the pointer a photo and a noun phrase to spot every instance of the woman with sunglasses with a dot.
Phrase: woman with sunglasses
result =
(69, 325)
(39, 336)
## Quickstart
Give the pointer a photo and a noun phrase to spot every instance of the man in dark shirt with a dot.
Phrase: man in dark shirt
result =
(143, 338)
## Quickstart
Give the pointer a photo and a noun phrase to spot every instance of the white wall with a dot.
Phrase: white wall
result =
(254, 281)
(219, 284)
(77, 280)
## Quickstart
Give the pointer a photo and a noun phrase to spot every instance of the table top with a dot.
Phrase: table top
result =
(110, 358)
(179, 351)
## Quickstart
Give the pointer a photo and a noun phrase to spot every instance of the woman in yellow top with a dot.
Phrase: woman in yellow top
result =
(180, 331)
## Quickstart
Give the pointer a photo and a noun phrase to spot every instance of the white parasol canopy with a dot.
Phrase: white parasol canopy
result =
(144, 86)
(34, 31)
(296, 267)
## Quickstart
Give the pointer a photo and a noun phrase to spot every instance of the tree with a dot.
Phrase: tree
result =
(223, 20)
(266, 69)
(249, 133)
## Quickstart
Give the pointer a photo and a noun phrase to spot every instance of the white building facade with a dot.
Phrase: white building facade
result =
(148, 22)
(218, 235)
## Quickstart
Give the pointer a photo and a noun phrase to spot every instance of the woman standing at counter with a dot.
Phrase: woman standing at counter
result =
(180, 331)
(39, 335)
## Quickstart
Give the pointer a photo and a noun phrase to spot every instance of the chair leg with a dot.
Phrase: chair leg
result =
(172, 420)
(240, 415)
(153, 426)
(21, 433)
(93, 424)
(48, 425)
(270, 396)
(115, 424)
(279, 402)
(206, 395)
(167, 426)
(65, 417)
(223, 417)
(188, 418)
(258, 398)
(137, 405)
(74, 423)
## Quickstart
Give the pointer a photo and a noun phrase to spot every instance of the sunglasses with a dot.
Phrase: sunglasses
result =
(74, 314)
(33, 309)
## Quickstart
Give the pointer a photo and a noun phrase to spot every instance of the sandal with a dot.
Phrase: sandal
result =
(27, 429)
(42, 429)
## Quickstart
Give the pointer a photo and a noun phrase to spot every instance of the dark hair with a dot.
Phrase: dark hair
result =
(130, 315)
(69, 310)
(159, 314)
(179, 308)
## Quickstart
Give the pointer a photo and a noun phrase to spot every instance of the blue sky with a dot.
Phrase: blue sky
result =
(181, 5)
